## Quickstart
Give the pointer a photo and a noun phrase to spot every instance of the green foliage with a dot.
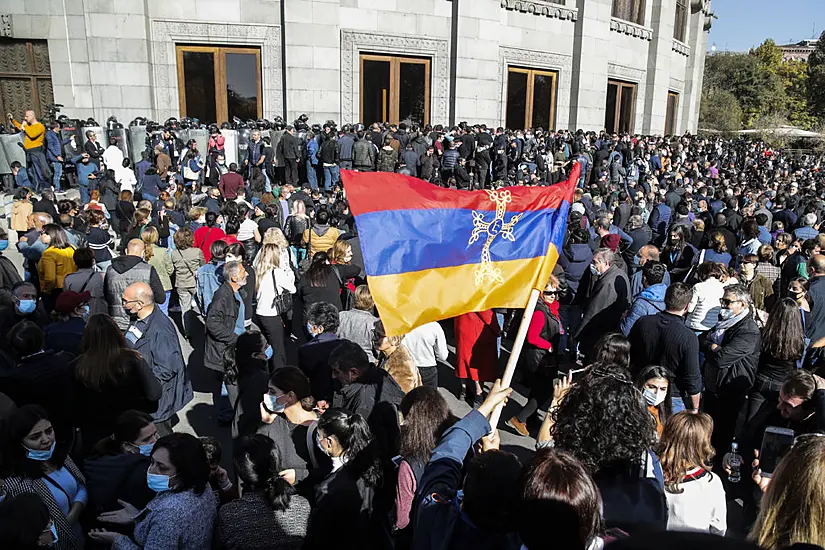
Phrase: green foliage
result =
(758, 90)
(816, 79)
(720, 110)
(768, 89)
(769, 54)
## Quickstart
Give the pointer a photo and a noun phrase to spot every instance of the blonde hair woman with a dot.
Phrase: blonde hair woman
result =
(793, 506)
(695, 496)
(159, 258)
(397, 359)
(274, 278)
(274, 235)
(341, 252)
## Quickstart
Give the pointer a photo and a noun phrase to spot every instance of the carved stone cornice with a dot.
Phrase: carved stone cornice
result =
(681, 48)
(623, 72)
(5, 25)
(542, 7)
(631, 29)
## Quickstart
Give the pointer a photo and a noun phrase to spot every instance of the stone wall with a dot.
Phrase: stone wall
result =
(118, 57)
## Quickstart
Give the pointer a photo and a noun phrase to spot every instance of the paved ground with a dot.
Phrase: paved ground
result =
(199, 417)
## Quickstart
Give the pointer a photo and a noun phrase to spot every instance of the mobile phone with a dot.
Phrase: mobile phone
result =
(579, 373)
(775, 443)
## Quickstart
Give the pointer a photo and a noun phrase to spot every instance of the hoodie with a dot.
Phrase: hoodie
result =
(650, 302)
(321, 238)
(575, 260)
(122, 264)
(113, 477)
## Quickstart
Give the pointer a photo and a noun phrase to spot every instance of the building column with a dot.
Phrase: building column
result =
(658, 67)
(591, 41)
(688, 115)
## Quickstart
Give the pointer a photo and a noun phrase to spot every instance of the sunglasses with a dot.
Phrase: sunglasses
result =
(726, 302)
(551, 292)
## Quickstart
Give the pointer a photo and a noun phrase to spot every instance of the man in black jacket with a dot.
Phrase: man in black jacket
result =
(607, 300)
(313, 357)
(731, 355)
(291, 151)
(224, 323)
(363, 385)
(663, 339)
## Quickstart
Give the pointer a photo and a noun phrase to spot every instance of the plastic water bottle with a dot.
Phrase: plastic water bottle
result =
(735, 463)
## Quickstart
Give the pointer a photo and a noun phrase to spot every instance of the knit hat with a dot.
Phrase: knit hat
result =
(69, 300)
(611, 241)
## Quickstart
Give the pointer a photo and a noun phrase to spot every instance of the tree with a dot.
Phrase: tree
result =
(816, 79)
(769, 54)
(794, 77)
(720, 111)
(758, 91)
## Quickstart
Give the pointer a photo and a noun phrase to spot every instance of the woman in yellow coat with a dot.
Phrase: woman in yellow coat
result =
(56, 262)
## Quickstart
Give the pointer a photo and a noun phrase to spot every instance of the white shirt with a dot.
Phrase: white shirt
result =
(126, 178)
(700, 507)
(247, 230)
(285, 279)
(703, 311)
(427, 345)
(113, 157)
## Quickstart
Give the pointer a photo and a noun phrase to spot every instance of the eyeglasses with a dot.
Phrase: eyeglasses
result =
(551, 292)
(726, 302)
(125, 302)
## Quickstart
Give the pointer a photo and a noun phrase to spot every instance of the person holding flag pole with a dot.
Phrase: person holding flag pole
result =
(432, 253)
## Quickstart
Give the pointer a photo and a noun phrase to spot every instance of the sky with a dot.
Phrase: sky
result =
(746, 23)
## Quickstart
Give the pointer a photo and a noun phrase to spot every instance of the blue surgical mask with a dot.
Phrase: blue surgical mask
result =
(4, 244)
(309, 330)
(594, 270)
(158, 483)
(53, 529)
(86, 311)
(27, 306)
(268, 352)
(145, 450)
(272, 405)
(40, 456)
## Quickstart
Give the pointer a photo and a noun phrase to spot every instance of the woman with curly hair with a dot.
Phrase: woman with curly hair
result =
(612, 349)
(603, 421)
(695, 496)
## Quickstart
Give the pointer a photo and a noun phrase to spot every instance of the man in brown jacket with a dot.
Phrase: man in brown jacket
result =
(162, 161)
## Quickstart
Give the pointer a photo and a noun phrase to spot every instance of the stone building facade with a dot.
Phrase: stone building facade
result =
(631, 65)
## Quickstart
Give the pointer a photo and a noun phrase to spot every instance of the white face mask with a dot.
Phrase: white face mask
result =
(653, 398)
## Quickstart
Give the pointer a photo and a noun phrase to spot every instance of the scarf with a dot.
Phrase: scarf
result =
(718, 332)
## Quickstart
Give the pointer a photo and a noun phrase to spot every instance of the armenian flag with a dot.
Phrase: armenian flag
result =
(432, 253)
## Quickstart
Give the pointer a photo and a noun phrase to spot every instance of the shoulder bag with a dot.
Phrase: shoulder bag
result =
(282, 302)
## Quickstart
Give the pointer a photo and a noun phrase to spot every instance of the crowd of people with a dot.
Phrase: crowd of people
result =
(684, 321)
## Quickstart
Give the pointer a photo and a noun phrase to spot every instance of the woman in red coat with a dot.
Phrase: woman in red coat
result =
(476, 357)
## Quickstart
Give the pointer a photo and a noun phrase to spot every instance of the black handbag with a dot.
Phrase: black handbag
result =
(282, 303)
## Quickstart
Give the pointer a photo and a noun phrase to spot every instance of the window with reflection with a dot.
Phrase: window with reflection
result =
(630, 10)
(219, 83)
(531, 98)
(680, 24)
(620, 107)
(395, 89)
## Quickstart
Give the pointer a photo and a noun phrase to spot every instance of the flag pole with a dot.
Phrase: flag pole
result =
(521, 336)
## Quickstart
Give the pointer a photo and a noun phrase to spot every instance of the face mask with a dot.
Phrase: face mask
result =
(318, 443)
(309, 330)
(653, 398)
(145, 450)
(272, 405)
(27, 306)
(157, 482)
(594, 270)
(4, 244)
(642, 205)
(53, 529)
(725, 314)
(268, 352)
(86, 311)
(40, 456)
